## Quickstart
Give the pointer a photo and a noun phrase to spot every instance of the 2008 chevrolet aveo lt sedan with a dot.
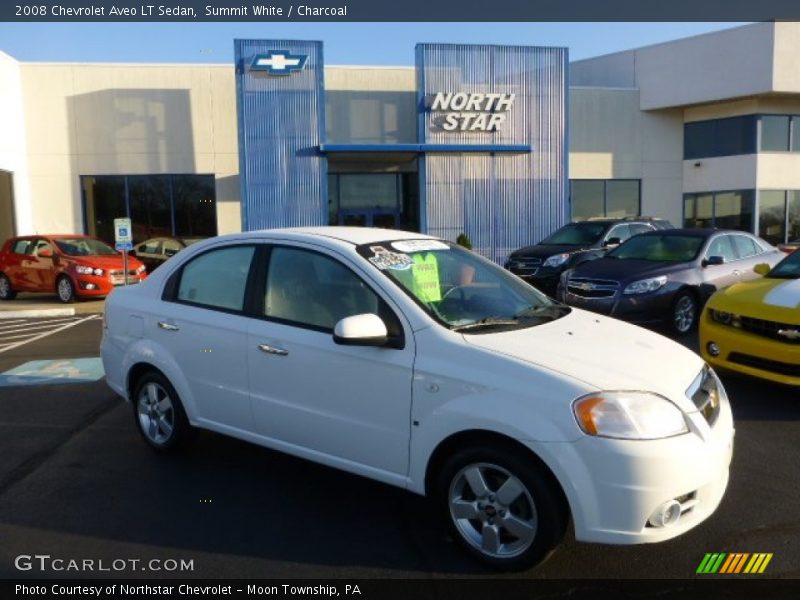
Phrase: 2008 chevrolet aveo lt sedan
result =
(410, 360)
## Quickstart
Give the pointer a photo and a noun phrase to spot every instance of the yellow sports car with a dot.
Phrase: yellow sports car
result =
(754, 327)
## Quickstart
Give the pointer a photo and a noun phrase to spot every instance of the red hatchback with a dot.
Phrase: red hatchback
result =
(72, 266)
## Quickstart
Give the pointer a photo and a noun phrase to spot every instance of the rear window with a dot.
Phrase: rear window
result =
(22, 247)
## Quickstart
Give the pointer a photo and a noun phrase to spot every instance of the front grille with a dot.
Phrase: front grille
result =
(783, 332)
(524, 266)
(704, 394)
(119, 272)
(592, 288)
(765, 364)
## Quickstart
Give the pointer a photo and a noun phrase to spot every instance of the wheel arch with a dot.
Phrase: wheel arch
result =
(483, 437)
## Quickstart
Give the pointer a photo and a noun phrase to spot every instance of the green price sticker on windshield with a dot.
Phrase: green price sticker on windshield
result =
(425, 273)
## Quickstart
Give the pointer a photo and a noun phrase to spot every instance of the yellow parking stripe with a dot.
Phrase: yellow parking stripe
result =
(765, 563)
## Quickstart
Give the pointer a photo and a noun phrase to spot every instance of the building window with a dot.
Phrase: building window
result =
(720, 137)
(775, 133)
(725, 210)
(779, 215)
(181, 206)
(613, 198)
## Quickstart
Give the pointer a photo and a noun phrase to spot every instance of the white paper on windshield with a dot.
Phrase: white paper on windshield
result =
(386, 259)
(419, 245)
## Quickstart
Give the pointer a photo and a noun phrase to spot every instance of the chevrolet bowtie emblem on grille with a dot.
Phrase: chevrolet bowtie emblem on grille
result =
(279, 62)
(520, 265)
(586, 287)
(789, 334)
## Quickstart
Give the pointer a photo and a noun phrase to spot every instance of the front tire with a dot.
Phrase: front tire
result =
(65, 290)
(159, 413)
(6, 291)
(684, 313)
(503, 508)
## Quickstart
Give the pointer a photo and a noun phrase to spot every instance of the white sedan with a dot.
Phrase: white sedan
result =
(409, 360)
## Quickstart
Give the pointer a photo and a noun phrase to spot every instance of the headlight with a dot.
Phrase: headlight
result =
(726, 318)
(98, 271)
(644, 286)
(629, 415)
(556, 260)
(84, 270)
(141, 269)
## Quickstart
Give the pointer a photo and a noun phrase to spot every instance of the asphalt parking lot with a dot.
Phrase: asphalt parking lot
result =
(77, 482)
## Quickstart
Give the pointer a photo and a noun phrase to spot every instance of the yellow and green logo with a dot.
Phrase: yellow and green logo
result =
(734, 563)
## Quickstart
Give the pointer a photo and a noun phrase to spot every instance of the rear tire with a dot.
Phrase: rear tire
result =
(65, 289)
(6, 291)
(158, 413)
(503, 508)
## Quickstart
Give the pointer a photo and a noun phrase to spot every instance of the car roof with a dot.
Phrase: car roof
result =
(689, 231)
(352, 235)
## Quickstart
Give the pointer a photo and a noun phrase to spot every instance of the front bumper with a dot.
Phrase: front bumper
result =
(92, 286)
(750, 354)
(615, 486)
(641, 309)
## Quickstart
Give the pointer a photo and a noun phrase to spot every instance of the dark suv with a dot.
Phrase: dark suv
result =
(541, 265)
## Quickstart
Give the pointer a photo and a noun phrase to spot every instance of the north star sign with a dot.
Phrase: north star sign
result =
(278, 62)
(472, 112)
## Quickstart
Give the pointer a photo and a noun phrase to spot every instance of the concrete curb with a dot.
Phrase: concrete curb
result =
(37, 312)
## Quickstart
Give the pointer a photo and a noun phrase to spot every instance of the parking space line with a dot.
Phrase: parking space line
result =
(17, 335)
(34, 325)
(49, 332)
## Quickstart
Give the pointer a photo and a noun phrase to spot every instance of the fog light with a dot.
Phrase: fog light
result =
(666, 515)
(712, 348)
(90, 286)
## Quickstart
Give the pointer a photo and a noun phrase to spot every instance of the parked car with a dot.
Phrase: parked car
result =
(754, 327)
(666, 276)
(541, 265)
(363, 350)
(789, 247)
(72, 266)
(156, 251)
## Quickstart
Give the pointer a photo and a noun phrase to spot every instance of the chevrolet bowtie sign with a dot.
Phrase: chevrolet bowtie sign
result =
(278, 62)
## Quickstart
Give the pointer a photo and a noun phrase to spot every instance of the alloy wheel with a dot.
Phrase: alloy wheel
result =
(684, 314)
(156, 413)
(5, 287)
(65, 291)
(493, 510)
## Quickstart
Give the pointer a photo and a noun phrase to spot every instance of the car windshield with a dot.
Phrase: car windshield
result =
(788, 268)
(576, 234)
(84, 247)
(460, 289)
(667, 248)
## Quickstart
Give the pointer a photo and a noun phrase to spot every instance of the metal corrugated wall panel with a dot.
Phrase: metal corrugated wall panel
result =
(504, 201)
(281, 125)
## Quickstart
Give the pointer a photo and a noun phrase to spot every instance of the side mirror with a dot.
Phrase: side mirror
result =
(361, 330)
(614, 241)
(45, 254)
(713, 261)
(762, 268)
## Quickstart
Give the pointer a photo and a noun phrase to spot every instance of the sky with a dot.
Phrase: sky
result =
(344, 43)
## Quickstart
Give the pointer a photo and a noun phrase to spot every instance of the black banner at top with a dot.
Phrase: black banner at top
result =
(397, 10)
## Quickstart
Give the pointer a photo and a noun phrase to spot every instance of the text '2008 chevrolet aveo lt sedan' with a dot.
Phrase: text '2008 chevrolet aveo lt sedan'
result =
(410, 360)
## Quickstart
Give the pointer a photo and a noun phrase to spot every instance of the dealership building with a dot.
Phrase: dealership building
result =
(503, 143)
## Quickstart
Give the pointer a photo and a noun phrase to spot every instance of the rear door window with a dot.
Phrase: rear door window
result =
(746, 246)
(217, 279)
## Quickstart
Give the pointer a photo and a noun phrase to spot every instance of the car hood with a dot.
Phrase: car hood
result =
(544, 251)
(108, 262)
(627, 270)
(767, 298)
(604, 353)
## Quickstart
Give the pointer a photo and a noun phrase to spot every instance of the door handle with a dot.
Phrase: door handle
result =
(737, 272)
(167, 326)
(272, 350)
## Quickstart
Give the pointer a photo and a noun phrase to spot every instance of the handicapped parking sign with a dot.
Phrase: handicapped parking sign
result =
(122, 231)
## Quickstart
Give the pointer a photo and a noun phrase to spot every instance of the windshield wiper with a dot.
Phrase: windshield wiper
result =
(552, 311)
(486, 322)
